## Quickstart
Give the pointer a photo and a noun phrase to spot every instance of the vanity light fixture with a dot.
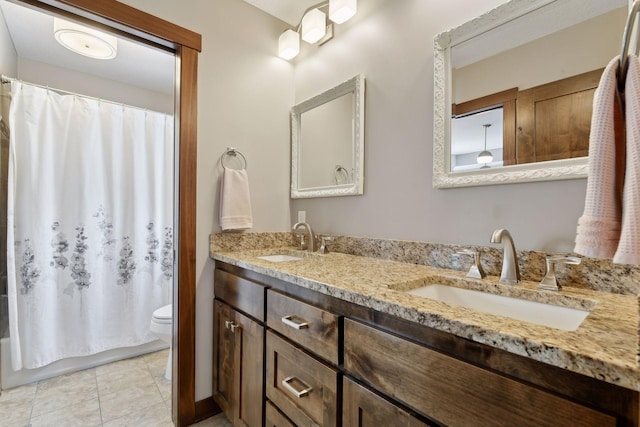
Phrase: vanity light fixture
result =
(84, 40)
(485, 156)
(313, 26)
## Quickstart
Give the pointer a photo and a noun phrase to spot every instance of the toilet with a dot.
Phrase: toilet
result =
(162, 327)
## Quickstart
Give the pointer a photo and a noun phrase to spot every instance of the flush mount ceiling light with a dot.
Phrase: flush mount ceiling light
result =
(84, 40)
(314, 28)
(485, 156)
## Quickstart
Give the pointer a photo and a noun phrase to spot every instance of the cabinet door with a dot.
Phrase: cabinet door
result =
(223, 357)
(249, 375)
(363, 408)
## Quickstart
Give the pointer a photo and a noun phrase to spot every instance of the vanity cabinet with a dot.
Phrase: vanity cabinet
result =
(238, 361)
(312, 359)
(452, 391)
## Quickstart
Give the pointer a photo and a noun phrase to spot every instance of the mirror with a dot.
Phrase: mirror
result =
(520, 68)
(327, 142)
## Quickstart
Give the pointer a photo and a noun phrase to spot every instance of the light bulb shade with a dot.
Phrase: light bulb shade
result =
(314, 26)
(288, 45)
(84, 40)
(485, 157)
(342, 10)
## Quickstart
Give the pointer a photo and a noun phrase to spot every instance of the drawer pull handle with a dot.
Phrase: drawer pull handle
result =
(286, 383)
(288, 320)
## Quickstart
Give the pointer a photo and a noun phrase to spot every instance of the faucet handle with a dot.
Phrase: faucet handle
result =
(475, 271)
(550, 282)
(323, 247)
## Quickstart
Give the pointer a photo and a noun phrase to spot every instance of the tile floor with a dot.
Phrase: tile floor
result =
(130, 392)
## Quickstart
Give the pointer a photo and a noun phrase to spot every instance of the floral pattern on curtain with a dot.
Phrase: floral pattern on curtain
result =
(90, 224)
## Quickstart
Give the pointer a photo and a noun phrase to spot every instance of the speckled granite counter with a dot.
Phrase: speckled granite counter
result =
(603, 347)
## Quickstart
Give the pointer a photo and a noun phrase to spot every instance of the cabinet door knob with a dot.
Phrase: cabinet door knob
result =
(286, 383)
(288, 320)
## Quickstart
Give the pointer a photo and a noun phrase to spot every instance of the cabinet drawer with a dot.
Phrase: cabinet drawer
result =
(240, 293)
(304, 388)
(306, 325)
(452, 391)
(364, 408)
(274, 418)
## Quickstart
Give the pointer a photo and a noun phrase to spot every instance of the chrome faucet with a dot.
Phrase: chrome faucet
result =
(311, 244)
(510, 271)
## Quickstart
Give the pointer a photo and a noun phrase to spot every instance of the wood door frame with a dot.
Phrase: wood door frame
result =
(186, 44)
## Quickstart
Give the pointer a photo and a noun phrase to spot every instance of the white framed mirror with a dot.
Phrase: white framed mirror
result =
(327, 142)
(500, 62)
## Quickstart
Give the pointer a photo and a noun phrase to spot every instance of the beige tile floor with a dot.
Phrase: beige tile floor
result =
(130, 392)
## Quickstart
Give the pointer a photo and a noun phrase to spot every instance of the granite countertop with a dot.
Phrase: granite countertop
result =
(603, 347)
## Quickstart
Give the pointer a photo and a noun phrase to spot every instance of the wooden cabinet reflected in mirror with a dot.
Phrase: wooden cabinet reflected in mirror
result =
(539, 124)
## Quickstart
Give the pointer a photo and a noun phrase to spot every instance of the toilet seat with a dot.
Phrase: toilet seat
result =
(163, 314)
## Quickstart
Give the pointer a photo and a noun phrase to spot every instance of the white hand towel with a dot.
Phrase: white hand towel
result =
(629, 247)
(599, 227)
(235, 200)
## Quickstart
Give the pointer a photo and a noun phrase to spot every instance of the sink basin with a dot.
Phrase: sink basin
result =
(564, 318)
(279, 258)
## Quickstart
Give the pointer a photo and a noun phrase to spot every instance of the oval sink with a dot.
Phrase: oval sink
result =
(564, 318)
(279, 258)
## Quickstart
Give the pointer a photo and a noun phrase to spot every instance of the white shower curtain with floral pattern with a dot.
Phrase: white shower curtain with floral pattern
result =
(89, 224)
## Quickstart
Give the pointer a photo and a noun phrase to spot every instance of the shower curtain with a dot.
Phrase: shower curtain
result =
(89, 224)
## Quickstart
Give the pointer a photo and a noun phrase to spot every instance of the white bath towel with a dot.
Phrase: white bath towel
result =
(235, 200)
(599, 227)
(629, 246)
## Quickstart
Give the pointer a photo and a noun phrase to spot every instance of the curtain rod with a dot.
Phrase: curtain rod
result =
(4, 79)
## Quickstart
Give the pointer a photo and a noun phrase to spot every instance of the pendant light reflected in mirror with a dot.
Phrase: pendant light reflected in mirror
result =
(485, 156)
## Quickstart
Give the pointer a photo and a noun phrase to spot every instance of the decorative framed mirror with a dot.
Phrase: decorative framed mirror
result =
(327, 142)
(513, 90)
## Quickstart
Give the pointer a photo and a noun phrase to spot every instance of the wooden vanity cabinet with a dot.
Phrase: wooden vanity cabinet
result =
(238, 356)
(368, 368)
(452, 391)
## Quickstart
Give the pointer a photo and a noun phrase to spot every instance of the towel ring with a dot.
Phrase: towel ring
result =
(232, 152)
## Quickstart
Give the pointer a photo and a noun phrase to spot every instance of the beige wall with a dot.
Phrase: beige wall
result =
(391, 43)
(8, 57)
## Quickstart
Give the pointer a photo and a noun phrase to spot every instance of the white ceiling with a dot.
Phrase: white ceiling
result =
(289, 11)
(135, 64)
